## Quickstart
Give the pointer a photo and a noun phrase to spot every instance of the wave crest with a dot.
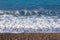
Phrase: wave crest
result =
(24, 12)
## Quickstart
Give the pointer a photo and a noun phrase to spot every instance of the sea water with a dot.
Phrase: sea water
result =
(29, 16)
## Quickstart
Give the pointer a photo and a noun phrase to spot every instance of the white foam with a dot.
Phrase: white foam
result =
(9, 21)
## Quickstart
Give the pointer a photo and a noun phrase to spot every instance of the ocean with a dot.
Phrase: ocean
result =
(27, 4)
(29, 16)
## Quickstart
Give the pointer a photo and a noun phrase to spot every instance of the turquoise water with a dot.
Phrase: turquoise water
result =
(19, 4)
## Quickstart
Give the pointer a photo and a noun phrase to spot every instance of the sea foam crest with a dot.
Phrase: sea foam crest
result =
(25, 12)
(9, 23)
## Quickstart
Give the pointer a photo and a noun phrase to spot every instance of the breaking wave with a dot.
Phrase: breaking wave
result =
(26, 12)
(29, 21)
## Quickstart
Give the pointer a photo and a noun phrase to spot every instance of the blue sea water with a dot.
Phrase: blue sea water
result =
(28, 4)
